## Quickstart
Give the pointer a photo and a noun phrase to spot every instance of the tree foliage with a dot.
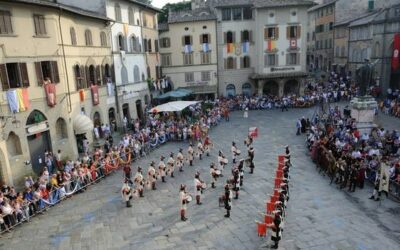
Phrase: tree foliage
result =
(163, 16)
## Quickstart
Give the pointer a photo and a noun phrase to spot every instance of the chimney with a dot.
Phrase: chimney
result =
(370, 5)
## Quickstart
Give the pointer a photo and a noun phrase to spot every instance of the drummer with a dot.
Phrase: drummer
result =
(151, 175)
(222, 161)
(198, 187)
(184, 199)
(179, 160)
(207, 145)
(215, 173)
(235, 152)
(171, 165)
(190, 154)
(200, 149)
(162, 168)
(139, 181)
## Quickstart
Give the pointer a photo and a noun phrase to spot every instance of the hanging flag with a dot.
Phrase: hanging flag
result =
(396, 51)
(246, 47)
(13, 100)
(20, 100)
(50, 89)
(188, 48)
(95, 95)
(271, 45)
(230, 48)
(25, 97)
(293, 43)
(205, 47)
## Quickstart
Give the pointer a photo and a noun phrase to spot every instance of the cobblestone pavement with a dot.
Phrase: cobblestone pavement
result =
(319, 215)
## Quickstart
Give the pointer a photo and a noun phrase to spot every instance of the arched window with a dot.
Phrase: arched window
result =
(107, 71)
(377, 49)
(61, 129)
(88, 38)
(73, 35)
(121, 42)
(136, 74)
(230, 90)
(14, 144)
(145, 45)
(35, 117)
(246, 36)
(229, 37)
(78, 77)
(91, 75)
(245, 62)
(131, 16)
(117, 9)
(134, 44)
(246, 89)
(124, 75)
(149, 45)
(230, 63)
(103, 39)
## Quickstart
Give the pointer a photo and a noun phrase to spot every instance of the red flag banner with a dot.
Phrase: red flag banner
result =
(50, 89)
(396, 51)
(95, 95)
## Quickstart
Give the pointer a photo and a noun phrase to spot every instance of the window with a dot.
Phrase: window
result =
(271, 33)
(230, 90)
(149, 45)
(5, 22)
(165, 42)
(246, 36)
(13, 75)
(187, 40)
(230, 63)
(166, 59)
(189, 77)
(331, 26)
(292, 58)
(121, 42)
(156, 45)
(237, 13)
(131, 17)
(270, 60)
(134, 44)
(88, 38)
(61, 129)
(205, 57)
(145, 44)
(91, 75)
(47, 69)
(40, 27)
(117, 10)
(293, 32)
(73, 35)
(79, 72)
(247, 13)
(245, 62)
(14, 145)
(136, 74)
(204, 38)
(188, 59)
(205, 76)
(330, 43)
(229, 37)
(226, 14)
(144, 21)
(103, 39)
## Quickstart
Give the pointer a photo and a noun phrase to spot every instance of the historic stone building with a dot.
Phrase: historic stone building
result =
(55, 63)
(188, 48)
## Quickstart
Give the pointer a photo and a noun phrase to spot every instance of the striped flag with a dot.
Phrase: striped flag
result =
(230, 48)
(271, 45)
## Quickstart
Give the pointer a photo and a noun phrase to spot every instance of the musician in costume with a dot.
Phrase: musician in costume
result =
(215, 173)
(162, 168)
(250, 153)
(184, 199)
(276, 228)
(171, 165)
(207, 145)
(190, 154)
(139, 181)
(198, 187)
(222, 161)
(151, 173)
(179, 160)
(241, 172)
(248, 141)
(236, 182)
(126, 193)
(200, 149)
(228, 200)
(234, 151)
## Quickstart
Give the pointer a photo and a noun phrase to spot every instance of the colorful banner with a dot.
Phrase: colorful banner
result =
(12, 100)
(271, 45)
(230, 48)
(205, 47)
(188, 49)
(21, 103)
(25, 98)
(293, 43)
(50, 89)
(396, 51)
(246, 47)
(95, 94)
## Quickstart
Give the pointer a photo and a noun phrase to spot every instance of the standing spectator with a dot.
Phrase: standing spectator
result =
(298, 126)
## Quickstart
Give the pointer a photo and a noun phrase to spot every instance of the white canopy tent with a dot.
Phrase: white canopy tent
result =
(172, 106)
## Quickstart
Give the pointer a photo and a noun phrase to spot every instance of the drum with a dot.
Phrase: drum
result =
(203, 185)
(218, 172)
(189, 198)
(238, 152)
(225, 161)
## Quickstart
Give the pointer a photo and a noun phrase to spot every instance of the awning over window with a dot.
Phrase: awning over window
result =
(82, 124)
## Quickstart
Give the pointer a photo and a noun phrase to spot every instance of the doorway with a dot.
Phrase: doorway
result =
(139, 110)
(111, 119)
(38, 144)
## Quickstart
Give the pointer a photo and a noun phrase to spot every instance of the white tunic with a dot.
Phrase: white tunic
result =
(197, 186)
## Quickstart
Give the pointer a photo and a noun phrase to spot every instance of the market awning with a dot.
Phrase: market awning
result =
(82, 124)
(179, 93)
(172, 106)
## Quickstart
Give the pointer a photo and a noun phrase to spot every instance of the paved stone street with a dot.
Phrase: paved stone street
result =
(319, 216)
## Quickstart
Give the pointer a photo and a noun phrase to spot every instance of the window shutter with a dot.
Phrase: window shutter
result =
(287, 59)
(191, 40)
(225, 63)
(265, 60)
(298, 31)
(277, 33)
(265, 33)
(39, 73)
(83, 77)
(298, 58)
(24, 74)
(288, 32)
(3, 77)
(112, 73)
(250, 36)
(241, 36)
(98, 75)
(276, 60)
(233, 37)
(183, 41)
(234, 63)
(209, 38)
(242, 62)
(225, 38)
(201, 39)
(248, 62)
(54, 71)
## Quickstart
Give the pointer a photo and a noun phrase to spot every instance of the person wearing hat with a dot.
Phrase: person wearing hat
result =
(179, 160)
(184, 200)
(171, 165)
(250, 153)
(236, 182)
(228, 201)
(276, 228)
(151, 173)
(190, 154)
(241, 171)
(207, 145)
(126, 193)
(139, 180)
(234, 152)
(162, 168)
(200, 149)
(222, 161)
(198, 186)
(214, 175)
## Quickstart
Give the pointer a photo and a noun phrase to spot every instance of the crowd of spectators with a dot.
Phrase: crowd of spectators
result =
(391, 104)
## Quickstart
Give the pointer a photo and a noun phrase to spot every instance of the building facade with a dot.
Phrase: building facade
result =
(191, 61)
(261, 46)
(54, 76)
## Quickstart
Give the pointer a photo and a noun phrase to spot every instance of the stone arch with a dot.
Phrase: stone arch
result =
(34, 117)
(112, 118)
(61, 129)
(246, 89)
(230, 90)
(271, 88)
(291, 87)
(14, 144)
